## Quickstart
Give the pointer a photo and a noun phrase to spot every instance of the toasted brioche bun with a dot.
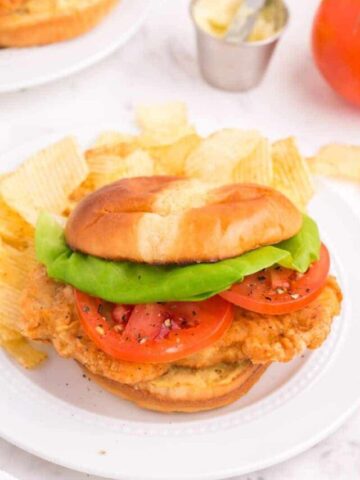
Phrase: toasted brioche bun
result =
(176, 220)
(22, 28)
(189, 390)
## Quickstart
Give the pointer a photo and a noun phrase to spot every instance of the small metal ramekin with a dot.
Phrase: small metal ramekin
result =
(234, 67)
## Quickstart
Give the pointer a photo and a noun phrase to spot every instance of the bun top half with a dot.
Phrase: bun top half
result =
(162, 220)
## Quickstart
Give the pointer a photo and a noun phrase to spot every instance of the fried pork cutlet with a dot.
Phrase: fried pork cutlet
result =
(50, 316)
(274, 338)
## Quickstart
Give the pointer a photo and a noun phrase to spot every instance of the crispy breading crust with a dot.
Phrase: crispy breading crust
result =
(50, 315)
(274, 338)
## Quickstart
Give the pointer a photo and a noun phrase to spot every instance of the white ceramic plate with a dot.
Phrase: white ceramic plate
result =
(29, 67)
(57, 414)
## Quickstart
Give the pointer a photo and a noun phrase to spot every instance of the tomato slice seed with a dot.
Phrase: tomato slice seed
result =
(153, 333)
(277, 290)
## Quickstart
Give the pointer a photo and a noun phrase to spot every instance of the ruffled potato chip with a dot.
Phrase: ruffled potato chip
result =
(230, 156)
(80, 192)
(171, 159)
(45, 180)
(122, 148)
(10, 312)
(16, 265)
(9, 335)
(104, 163)
(13, 228)
(24, 353)
(336, 160)
(257, 167)
(162, 124)
(291, 173)
(112, 137)
(138, 164)
(106, 168)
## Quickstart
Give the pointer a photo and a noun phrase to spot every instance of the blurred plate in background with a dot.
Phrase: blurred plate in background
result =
(29, 67)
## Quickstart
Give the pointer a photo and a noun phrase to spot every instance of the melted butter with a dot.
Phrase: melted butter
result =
(215, 17)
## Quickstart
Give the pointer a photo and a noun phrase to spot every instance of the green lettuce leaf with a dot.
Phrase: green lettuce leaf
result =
(127, 282)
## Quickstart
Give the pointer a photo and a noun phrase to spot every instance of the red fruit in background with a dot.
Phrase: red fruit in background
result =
(336, 46)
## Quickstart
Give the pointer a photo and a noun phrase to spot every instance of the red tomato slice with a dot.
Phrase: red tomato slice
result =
(153, 333)
(278, 290)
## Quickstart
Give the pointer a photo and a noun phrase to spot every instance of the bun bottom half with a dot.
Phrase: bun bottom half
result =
(188, 390)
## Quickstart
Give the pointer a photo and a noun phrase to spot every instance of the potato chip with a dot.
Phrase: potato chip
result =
(4, 175)
(229, 156)
(117, 149)
(10, 312)
(8, 335)
(107, 168)
(15, 265)
(291, 173)
(337, 160)
(45, 180)
(256, 167)
(112, 137)
(137, 164)
(171, 159)
(13, 228)
(23, 352)
(162, 124)
(104, 163)
(79, 193)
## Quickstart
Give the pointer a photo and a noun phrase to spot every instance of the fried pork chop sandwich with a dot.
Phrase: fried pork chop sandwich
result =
(176, 294)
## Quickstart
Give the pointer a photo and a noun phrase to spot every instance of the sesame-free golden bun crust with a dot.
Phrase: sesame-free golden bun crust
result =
(21, 28)
(162, 220)
(188, 390)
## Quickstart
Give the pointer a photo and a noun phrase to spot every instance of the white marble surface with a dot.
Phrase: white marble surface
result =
(160, 63)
